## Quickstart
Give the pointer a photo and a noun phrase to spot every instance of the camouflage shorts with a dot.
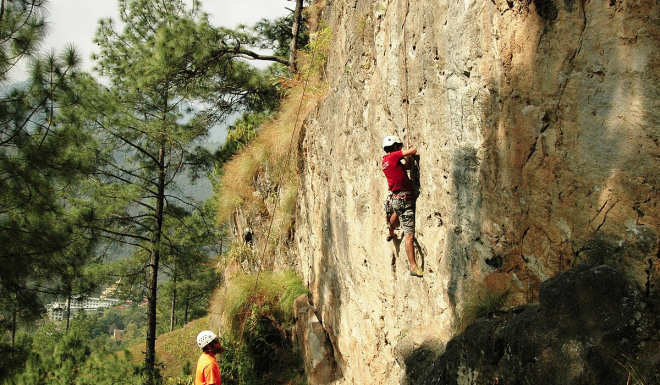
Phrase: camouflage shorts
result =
(405, 208)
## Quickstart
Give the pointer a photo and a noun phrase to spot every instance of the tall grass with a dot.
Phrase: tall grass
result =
(489, 298)
(268, 161)
(261, 181)
(270, 295)
(257, 314)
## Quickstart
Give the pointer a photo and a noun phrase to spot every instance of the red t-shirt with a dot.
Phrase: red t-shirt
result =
(207, 372)
(397, 177)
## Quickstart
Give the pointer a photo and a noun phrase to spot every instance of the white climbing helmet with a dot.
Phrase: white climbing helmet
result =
(391, 140)
(204, 338)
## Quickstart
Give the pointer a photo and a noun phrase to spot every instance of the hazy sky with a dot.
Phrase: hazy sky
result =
(75, 21)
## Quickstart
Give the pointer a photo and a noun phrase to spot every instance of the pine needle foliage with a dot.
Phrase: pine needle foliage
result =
(45, 245)
(637, 370)
(23, 28)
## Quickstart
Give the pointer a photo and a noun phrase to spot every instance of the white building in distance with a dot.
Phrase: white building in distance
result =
(57, 310)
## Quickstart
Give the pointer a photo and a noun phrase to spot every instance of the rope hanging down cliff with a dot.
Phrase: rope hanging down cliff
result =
(405, 71)
(272, 218)
(400, 205)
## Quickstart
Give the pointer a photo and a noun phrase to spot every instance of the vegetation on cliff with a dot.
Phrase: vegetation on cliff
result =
(90, 170)
(259, 180)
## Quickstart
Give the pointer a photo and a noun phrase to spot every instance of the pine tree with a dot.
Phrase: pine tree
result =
(167, 88)
(189, 243)
(69, 358)
(42, 225)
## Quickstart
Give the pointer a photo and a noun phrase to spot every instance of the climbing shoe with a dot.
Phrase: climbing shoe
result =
(395, 235)
(417, 273)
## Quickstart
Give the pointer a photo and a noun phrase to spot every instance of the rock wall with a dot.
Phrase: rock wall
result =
(537, 125)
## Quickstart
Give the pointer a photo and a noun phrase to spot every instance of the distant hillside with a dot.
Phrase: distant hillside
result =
(200, 189)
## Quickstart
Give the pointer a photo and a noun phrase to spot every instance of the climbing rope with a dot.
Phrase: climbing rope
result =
(405, 70)
(272, 218)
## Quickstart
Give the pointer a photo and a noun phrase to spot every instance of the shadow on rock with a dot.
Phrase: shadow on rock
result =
(591, 326)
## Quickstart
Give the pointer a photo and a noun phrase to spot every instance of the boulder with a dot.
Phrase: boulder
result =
(591, 326)
(314, 343)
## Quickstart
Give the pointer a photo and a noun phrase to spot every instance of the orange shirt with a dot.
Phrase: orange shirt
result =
(208, 371)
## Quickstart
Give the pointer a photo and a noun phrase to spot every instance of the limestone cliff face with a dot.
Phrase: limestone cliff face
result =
(537, 124)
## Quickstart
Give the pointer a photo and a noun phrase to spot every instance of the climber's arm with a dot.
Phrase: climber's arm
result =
(409, 151)
(406, 161)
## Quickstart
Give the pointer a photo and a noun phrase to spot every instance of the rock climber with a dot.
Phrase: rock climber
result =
(208, 371)
(403, 197)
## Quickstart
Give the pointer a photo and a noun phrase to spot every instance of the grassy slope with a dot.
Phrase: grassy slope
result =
(175, 348)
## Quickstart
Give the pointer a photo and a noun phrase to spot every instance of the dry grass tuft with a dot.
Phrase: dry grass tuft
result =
(262, 179)
(268, 294)
(488, 299)
(271, 157)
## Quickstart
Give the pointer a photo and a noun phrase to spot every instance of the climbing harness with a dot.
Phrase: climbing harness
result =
(404, 194)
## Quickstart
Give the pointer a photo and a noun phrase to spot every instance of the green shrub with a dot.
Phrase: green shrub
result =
(258, 310)
(236, 365)
(317, 52)
(266, 294)
(241, 253)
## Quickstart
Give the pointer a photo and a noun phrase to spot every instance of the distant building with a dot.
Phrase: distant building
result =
(118, 334)
(57, 310)
(112, 291)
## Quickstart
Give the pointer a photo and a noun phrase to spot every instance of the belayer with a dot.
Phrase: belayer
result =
(403, 197)
(208, 370)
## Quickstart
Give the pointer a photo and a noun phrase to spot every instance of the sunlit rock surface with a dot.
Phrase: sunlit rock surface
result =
(537, 124)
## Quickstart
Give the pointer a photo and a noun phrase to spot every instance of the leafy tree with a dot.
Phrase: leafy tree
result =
(123, 318)
(159, 65)
(70, 358)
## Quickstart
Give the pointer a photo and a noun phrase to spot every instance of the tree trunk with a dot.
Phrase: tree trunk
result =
(173, 312)
(185, 314)
(68, 311)
(154, 259)
(13, 328)
(295, 28)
